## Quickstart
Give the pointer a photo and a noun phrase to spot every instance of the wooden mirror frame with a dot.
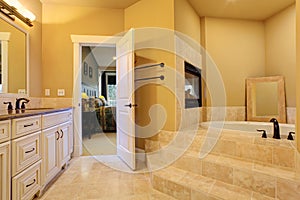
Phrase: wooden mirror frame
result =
(250, 98)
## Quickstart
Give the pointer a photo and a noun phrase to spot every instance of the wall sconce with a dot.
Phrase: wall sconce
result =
(13, 8)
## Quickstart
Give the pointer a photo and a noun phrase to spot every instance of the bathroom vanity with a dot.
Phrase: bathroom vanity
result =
(35, 144)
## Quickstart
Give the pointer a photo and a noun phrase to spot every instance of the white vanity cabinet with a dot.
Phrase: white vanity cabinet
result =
(57, 139)
(34, 147)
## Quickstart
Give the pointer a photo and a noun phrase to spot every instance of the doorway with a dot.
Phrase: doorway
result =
(98, 96)
(124, 112)
(80, 41)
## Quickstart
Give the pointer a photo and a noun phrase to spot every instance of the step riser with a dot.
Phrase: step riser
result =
(265, 185)
(246, 178)
(283, 189)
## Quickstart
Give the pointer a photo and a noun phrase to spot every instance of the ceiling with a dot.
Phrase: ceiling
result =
(104, 56)
(115, 4)
(240, 9)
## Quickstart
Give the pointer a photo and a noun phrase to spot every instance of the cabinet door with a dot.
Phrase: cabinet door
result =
(50, 164)
(5, 171)
(64, 143)
(5, 130)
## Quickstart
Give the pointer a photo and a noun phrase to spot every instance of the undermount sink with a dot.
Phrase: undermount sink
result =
(38, 108)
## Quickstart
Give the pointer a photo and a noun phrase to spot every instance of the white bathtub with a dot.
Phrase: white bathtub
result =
(247, 126)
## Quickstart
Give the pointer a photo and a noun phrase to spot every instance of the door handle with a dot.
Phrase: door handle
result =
(131, 105)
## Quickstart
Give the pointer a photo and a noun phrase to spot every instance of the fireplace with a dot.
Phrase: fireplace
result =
(192, 87)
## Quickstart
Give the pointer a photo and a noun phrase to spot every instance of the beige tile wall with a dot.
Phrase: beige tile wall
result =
(36, 102)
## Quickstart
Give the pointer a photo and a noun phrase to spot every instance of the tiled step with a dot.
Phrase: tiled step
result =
(185, 185)
(266, 168)
(267, 180)
(251, 147)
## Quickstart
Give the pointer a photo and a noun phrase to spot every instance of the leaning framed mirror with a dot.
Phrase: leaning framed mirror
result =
(265, 99)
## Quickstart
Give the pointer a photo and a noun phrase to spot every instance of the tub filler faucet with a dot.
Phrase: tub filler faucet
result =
(276, 130)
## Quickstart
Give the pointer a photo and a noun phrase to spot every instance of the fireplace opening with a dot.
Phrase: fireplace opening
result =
(192, 87)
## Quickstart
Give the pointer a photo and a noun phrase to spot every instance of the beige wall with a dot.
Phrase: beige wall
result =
(35, 56)
(298, 70)
(89, 59)
(59, 22)
(154, 13)
(187, 20)
(238, 49)
(281, 50)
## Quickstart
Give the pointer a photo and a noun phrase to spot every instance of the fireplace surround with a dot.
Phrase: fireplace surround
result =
(192, 87)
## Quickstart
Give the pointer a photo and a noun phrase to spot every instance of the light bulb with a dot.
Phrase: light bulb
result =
(15, 3)
(26, 13)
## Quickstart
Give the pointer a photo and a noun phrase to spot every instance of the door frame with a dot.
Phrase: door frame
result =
(78, 42)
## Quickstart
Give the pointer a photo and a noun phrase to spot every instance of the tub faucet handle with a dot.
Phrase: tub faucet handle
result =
(264, 134)
(290, 137)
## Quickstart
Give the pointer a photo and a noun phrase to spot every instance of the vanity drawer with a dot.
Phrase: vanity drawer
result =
(25, 151)
(26, 184)
(53, 119)
(4, 130)
(23, 126)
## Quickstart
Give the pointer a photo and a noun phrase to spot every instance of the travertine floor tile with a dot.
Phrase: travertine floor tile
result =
(87, 178)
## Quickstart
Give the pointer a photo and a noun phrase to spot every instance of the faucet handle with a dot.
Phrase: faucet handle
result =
(23, 105)
(264, 134)
(290, 137)
(9, 107)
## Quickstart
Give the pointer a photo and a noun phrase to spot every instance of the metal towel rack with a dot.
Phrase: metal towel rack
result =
(148, 66)
(161, 77)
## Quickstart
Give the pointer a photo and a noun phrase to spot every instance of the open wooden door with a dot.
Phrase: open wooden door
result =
(125, 99)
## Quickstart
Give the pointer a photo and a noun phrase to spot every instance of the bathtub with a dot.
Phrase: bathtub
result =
(247, 126)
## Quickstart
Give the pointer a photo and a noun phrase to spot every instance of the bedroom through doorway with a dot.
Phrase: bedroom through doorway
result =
(98, 95)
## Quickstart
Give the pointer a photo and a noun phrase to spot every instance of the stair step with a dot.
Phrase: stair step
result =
(240, 166)
(250, 146)
(264, 179)
(181, 184)
(190, 159)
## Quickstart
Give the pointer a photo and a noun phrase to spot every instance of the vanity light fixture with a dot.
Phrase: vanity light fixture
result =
(13, 8)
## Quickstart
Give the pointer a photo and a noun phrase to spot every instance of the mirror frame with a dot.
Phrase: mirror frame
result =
(27, 51)
(251, 108)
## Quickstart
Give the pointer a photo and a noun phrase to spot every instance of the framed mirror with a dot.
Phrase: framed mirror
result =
(265, 98)
(13, 57)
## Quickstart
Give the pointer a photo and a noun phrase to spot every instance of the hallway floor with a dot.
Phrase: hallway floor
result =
(87, 178)
(100, 144)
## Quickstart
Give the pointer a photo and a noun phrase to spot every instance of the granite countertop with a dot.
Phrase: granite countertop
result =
(6, 114)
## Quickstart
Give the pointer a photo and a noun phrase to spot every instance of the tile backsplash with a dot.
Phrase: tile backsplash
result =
(35, 102)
